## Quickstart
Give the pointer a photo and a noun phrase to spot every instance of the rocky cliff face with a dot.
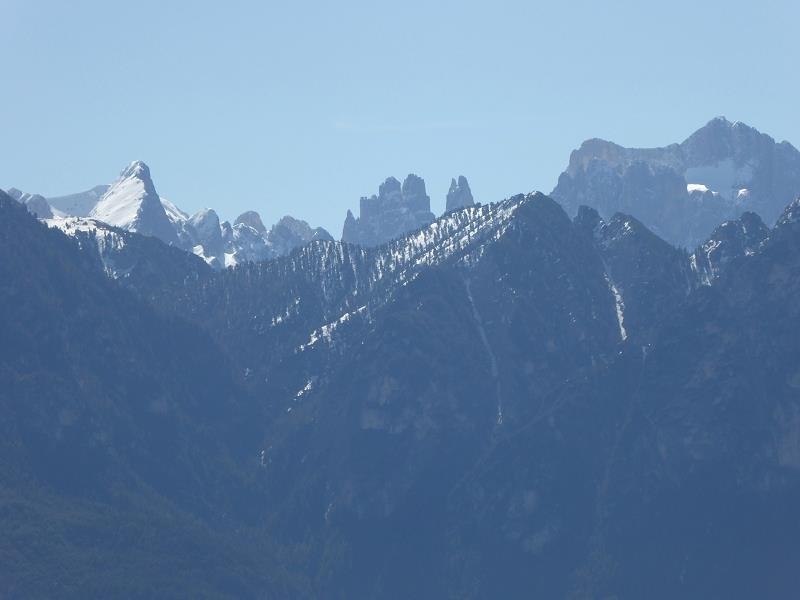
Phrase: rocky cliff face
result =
(683, 191)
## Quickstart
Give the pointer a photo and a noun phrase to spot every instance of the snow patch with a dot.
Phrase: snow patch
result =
(724, 177)
(120, 205)
(230, 259)
(325, 332)
(305, 389)
(619, 305)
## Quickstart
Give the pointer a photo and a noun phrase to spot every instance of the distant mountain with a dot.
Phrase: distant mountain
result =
(459, 195)
(684, 191)
(80, 204)
(131, 203)
(394, 211)
(37, 205)
(252, 219)
(290, 233)
(247, 240)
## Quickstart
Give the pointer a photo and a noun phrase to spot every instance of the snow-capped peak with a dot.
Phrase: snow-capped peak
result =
(137, 169)
(132, 203)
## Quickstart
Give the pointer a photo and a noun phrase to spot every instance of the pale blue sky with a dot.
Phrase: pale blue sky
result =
(302, 107)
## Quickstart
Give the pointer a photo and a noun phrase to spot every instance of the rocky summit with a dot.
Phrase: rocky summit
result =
(132, 203)
(684, 191)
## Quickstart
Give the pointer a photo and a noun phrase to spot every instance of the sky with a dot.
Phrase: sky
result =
(303, 107)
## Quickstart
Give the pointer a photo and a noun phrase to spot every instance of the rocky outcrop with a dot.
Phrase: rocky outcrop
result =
(459, 195)
(397, 209)
(205, 230)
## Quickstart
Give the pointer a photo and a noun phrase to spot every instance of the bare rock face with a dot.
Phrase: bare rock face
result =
(252, 219)
(397, 209)
(684, 191)
(205, 231)
(243, 244)
(459, 194)
(350, 230)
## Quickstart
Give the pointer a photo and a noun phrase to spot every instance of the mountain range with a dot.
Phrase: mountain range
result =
(132, 203)
(536, 397)
(682, 192)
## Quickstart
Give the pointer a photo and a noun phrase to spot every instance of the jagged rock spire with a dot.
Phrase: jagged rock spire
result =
(459, 194)
(396, 210)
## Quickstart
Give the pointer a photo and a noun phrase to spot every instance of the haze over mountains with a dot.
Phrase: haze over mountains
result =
(536, 397)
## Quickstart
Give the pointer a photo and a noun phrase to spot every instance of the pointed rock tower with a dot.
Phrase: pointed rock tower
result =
(459, 194)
